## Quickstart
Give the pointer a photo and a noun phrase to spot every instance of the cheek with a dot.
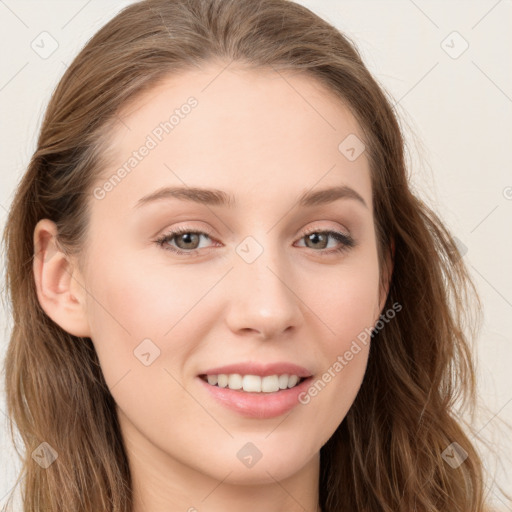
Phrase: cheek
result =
(141, 333)
(348, 312)
(346, 301)
(140, 297)
(129, 305)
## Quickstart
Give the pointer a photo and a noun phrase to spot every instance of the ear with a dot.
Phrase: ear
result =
(387, 272)
(60, 287)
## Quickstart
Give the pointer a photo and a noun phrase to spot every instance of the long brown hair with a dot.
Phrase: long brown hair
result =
(387, 454)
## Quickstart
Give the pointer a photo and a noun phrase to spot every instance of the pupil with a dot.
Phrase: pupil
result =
(315, 237)
(187, 237)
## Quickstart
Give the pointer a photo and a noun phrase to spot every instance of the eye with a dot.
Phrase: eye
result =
(187, 241)
(320, 240)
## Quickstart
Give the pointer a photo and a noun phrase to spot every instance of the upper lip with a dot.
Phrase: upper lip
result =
(253, 368)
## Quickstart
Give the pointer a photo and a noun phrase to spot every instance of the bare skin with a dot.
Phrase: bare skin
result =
(256, 137)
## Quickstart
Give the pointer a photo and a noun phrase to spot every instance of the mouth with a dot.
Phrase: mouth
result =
(257, 397)
(254, 384)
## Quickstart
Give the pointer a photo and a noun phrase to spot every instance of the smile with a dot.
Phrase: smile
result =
(251, 400)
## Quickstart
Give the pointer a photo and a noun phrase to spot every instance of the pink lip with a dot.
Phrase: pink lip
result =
(263, 370)
(257, 405)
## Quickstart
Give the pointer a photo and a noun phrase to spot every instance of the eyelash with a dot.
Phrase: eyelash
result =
(347, 242)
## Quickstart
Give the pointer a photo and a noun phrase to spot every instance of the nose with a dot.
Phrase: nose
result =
(262, 300)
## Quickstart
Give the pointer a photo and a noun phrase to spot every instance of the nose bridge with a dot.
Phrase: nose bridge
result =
(262, 298)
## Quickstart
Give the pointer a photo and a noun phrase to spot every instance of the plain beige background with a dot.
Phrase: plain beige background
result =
(447, 66)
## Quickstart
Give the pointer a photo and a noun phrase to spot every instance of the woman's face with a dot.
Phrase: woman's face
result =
(262, 284)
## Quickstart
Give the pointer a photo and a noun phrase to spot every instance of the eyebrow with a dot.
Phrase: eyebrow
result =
(215, 197)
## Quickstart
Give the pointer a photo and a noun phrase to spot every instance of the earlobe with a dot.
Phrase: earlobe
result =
(60, 288)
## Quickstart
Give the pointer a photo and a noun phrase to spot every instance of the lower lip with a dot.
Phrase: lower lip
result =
(258, 405)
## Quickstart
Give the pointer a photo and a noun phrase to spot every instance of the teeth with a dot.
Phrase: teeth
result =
(253, 383)
(283, 381)
(235, 381)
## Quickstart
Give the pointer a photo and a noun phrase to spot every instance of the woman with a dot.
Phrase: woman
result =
(148, 371)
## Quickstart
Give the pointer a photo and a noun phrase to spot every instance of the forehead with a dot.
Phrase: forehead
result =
(256, 133)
